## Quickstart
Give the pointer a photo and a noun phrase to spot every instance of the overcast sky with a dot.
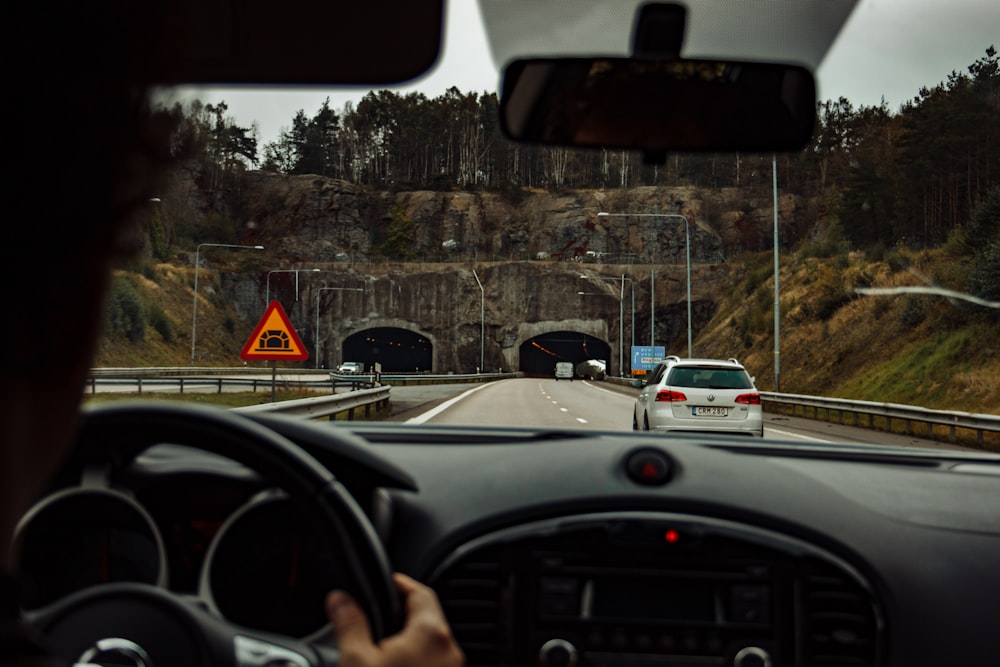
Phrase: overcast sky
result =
(888, 49)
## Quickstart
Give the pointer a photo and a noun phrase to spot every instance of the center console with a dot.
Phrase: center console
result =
(655, 590)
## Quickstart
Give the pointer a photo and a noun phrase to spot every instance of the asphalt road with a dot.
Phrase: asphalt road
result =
(592, 405)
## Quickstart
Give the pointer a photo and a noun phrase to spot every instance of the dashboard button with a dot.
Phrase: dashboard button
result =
(752, 656)
(751, 603)
(557, 653)
(648, 466)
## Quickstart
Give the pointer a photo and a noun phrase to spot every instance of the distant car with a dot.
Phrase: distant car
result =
(565, 370)
(351, 368)
(704, 395)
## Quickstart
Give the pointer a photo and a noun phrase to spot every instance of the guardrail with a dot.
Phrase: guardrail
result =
(196, 382)
(327, 406)
(877, 415)
(952, 420)
(367, 391)
(254, 378)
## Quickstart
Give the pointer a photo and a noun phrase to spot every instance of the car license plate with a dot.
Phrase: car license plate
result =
(709, 411)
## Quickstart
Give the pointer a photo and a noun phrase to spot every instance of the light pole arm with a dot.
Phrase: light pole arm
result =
(197, 265)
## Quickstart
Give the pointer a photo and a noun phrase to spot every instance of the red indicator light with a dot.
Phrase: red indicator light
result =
(672, 536)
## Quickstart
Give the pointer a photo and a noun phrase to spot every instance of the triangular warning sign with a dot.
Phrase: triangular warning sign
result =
(274, 338)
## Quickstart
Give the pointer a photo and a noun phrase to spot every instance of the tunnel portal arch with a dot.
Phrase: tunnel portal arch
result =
(539, 354)
(399, 350)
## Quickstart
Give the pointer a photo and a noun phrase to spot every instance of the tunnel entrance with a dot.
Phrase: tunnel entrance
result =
(398, 350)
(540, 354)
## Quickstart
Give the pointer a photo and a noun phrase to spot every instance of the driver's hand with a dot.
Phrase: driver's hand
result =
(425, 639)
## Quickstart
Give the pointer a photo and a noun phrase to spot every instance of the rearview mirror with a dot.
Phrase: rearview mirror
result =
(658, 105)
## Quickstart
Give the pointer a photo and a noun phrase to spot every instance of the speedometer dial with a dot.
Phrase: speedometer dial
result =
(82, 538)
(268, 571)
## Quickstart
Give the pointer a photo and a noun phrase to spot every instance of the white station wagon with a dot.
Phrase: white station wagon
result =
(712, 395)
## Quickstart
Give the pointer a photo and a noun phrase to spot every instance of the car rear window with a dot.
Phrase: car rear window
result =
(709, 378)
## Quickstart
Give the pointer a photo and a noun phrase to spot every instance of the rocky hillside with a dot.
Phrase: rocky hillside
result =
(917, 350)
(313, 219)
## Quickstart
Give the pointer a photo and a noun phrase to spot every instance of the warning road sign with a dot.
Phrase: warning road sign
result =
(274, 338)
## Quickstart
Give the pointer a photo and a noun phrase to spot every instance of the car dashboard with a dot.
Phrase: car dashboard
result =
(569, 548)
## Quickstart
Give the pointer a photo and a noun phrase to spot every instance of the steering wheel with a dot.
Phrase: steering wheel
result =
(132, 623)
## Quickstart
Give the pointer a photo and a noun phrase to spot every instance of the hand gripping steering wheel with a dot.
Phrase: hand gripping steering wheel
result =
(132, 623)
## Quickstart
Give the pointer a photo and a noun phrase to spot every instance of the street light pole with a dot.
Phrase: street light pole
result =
(319, 293)
(267, 288)
(777, 302)
(687, 236)
(482, 322)
(194, 307)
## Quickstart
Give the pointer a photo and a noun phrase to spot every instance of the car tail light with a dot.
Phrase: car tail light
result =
(749, 399)
(668, 396)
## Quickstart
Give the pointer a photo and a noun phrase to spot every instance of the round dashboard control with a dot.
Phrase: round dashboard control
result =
(648, 466)
(557, 653)
(752, 656)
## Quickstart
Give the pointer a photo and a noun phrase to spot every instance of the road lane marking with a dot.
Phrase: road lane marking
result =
(430, 414)
(582, 420)
(768, 430)
(609, 391)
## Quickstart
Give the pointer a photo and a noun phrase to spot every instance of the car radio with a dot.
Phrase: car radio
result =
(617, 617)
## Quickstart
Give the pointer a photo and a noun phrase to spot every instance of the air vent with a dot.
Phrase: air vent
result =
(471, 592)
(840, 622)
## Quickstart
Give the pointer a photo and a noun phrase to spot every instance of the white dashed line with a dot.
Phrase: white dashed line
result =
(798, 436)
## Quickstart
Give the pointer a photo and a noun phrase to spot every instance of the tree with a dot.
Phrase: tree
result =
(399, 240)
(313, 141)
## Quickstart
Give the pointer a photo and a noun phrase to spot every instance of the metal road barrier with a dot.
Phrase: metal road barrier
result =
(365, 391)
(180, 384)
(317, 407)
(873, 414)
(952, 420)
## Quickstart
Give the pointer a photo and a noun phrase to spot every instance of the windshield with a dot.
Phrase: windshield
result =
(403, 236)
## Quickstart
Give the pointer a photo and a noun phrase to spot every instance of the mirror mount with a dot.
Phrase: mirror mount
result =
(654, 157)
(659, 31)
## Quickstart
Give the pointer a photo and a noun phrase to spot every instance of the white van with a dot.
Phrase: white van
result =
(564, 369)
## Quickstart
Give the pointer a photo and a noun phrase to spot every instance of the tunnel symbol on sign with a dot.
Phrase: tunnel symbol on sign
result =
(273, 339)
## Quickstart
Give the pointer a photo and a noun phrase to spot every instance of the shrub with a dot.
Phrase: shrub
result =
(822, 249)
(914, 312)
(148, 269)
(829, 301)
(161, 323)
(897, 260)
(876, 252)
(984, 279)
(126, 312)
